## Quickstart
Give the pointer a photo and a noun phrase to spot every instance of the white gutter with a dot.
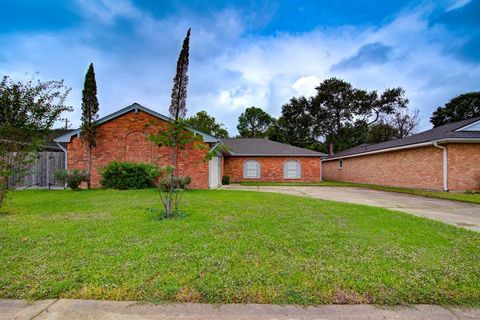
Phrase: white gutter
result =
(274, 155)
(445, 165)
(66, 154)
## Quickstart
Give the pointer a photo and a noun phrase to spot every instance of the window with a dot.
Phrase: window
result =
(340, 164)
(251, 169)
(292, 170)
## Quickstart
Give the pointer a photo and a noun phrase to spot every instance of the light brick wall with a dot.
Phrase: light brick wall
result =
(271, 168)
(464, 166)
(125, 138)
(412, 168)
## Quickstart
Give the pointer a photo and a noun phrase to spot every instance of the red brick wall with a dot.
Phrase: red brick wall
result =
(464, 166)
(125, 139)
(271, 168)
(411, 168)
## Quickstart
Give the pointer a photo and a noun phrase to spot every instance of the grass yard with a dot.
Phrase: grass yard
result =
(232, 246)
(456, 196)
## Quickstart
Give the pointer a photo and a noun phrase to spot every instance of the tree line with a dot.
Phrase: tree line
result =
(342, 115)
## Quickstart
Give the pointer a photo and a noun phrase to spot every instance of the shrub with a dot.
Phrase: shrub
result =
(128, 175)
(178, 183)
(73, 178)
(472, 192)
(226, 180)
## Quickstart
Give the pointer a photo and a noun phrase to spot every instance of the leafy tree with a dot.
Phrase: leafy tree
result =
(89, 116)
(380, 132)
(27, 113)
(254, 123)
(295, 125)
(340, 111)
(204, 122)
(462, 107)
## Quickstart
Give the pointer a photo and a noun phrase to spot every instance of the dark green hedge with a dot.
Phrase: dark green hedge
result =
(128, 175)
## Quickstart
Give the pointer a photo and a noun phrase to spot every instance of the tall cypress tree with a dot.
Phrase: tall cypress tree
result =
(90, 108)
(178, 107)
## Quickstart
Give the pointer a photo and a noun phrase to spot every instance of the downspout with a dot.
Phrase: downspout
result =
(66, 157)
(445, 165)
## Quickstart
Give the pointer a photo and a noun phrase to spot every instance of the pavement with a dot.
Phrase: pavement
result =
(460, 214)
(72, 309)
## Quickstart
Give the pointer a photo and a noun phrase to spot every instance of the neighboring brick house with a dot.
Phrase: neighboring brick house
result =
(443, 158)
(123, 136)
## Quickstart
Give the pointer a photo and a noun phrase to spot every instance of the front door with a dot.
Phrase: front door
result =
(214, 173)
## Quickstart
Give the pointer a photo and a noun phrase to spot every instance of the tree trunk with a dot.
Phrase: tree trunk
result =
(172, 175)
(89, 166)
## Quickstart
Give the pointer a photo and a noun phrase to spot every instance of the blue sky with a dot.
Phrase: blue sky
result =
(244, 53)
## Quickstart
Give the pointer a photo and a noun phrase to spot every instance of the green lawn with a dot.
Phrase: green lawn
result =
(456, 196)
(232, 246)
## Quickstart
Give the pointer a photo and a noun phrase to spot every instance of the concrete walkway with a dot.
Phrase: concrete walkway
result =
(123, 310)
(466, 215)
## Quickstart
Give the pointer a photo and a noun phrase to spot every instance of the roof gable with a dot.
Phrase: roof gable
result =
(475, 126)
(134, 107)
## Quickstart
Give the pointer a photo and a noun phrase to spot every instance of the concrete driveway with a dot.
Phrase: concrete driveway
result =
(465, 215)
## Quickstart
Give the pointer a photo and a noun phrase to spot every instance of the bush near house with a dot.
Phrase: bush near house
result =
(73, 178)
(129, 175)
(226, 180)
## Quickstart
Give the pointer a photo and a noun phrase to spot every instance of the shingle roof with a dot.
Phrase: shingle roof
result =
(264, 147)
(55, 133)
(444, 132)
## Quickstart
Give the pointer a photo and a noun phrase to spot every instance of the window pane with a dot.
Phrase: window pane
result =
(251, 169)
(292, 170)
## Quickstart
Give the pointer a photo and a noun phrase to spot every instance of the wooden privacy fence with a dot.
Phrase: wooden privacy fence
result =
(41, 173)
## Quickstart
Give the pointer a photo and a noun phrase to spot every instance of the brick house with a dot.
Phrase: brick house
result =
(122, 136)
(265, 160)
(443, 158)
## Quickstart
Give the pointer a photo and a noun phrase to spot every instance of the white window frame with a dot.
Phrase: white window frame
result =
(298, 169)
(340, 164)
(246, 170)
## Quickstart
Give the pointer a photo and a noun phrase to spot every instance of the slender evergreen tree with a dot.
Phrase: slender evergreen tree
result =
(90, 108)
(176, 136)
(178, 104)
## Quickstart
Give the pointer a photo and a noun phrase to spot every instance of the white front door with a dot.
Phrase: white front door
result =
(214, 173)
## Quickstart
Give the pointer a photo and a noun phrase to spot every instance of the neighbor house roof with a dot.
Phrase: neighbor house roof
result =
(134, 107)
(265, 147)
(50, 143)
(462, 131)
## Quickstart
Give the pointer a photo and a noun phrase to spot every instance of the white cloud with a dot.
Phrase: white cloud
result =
(305, 86)
(457, 4)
